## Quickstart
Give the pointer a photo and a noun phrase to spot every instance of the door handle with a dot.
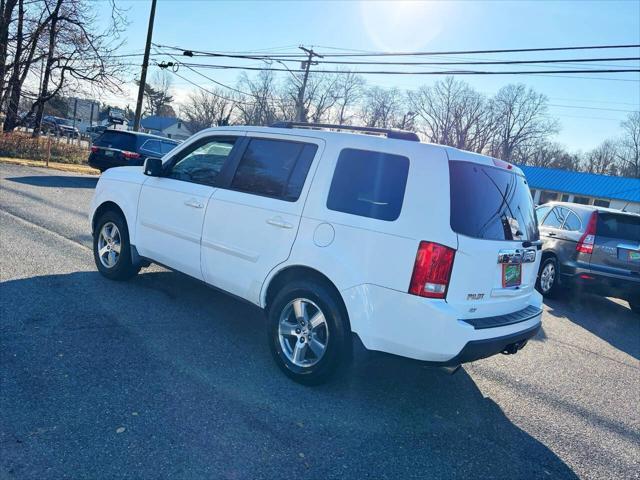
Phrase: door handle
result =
(192, 202)
(279, 222)
(552, 234)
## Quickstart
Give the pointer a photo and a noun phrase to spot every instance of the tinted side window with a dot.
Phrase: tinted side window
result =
(151, 146)
(203, 161)
(369, 184)
(624, 227)
(166, 147)
(275, 168)
(572, 222)
(555, 218)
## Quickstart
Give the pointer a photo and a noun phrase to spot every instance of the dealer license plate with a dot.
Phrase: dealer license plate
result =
(511, 274)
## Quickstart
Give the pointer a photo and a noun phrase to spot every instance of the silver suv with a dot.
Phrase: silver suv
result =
(593, 248)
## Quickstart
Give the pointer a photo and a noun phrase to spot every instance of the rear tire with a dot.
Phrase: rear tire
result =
(111, 247)
(547, 282)
(308, 332)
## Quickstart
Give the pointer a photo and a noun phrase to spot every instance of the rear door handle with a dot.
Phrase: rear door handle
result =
(279, 222)
(192, 202)
(551, 234)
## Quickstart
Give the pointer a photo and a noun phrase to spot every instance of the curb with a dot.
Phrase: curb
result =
(64, 167)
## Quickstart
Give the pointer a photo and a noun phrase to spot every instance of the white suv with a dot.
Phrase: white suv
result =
(413, 249)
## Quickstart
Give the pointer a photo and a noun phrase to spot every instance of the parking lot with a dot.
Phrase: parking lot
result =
(164, 377)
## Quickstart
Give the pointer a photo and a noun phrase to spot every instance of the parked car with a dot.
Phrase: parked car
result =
(592, 248)
(95, 131)
(117, 148)
(59, 126)
(413, 249)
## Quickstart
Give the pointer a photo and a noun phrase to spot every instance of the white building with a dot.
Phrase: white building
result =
(170, 127)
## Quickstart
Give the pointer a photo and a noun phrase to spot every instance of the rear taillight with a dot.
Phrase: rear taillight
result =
(432, 270)
(94, 149)
(588, 238)
(127, 154)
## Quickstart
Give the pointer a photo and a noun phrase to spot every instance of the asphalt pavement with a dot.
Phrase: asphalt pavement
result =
(163, 377)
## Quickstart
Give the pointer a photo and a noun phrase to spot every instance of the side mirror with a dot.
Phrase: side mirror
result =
(153, 167)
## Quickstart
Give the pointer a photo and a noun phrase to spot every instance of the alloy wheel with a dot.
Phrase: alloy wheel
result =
(547, 277)
(109, 245)
(303, 332)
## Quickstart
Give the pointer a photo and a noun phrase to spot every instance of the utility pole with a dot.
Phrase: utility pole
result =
(145, 64)
(301, 115)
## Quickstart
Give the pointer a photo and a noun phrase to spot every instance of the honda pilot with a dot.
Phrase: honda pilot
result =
(340, 234)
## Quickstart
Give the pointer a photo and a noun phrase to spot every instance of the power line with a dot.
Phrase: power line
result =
(421, 72)
(205, 76)
(591, 108)
(633, 104)
(451, 52)
(207, 90)
(277, 58)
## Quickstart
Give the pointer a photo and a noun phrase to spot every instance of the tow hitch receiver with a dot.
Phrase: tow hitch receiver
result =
(513, 348)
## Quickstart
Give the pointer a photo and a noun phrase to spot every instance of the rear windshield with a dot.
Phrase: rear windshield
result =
(118, 140)
(624, 227)
(491, 203)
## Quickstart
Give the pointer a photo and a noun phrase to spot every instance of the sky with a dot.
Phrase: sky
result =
(589, 109)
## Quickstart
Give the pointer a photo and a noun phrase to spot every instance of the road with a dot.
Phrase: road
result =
(162, 377)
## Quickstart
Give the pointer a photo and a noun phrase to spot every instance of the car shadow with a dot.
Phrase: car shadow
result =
(57, 181)
(613, 322)
(79, 354)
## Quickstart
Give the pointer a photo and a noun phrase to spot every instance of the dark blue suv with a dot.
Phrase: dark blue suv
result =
(120, 148)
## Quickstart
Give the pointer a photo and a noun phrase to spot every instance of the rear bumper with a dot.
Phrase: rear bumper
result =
(103, 164)
(477, 349)
(431, 330)
(608, 285)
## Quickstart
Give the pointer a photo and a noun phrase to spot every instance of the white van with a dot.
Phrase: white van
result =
(417, 250)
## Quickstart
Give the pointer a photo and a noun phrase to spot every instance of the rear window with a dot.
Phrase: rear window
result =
(490, 203)
(624, 227)
(118, 140)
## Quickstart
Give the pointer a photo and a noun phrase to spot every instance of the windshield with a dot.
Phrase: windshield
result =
(491, 203)
(63, 121)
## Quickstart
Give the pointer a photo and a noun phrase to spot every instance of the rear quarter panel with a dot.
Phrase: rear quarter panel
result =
(364, 250)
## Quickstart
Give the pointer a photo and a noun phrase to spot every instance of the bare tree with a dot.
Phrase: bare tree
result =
(320, 96)
(157, 96)
(602, 159)
(629, 150)
(78, 55)
(382, 107)
(30, 25)
(7, 8)
(452, 113)
(349, 89)
(521, 120)
(207, 109)
(257, 106)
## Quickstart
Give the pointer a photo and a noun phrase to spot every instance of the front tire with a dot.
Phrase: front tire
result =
(111, 247)
(308, 332)
(547, 283)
